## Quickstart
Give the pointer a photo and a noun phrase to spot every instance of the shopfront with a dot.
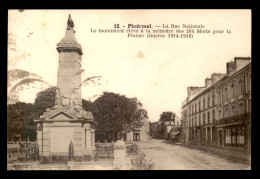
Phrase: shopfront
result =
(234, 132)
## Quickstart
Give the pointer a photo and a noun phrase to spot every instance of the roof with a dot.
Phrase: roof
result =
(76, 113)
(174, 129)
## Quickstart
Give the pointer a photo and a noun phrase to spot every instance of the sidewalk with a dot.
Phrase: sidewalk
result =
(230, 153)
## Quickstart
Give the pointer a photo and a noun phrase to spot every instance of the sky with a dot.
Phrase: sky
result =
(157, 71)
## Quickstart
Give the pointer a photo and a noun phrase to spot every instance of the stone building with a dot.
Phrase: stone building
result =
(162, 129)
(233, 105)
(220, 110)
(67, 121)
(168, 125)
(142, 133)
(184, 122)
(202, 112)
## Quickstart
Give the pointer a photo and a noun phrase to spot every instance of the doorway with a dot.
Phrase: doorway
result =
(136, 136)
(220, 137)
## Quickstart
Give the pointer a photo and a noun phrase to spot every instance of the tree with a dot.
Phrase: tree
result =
(46, 99)
(167, 116)
(20, 115)
(20, 120)
(87, 105)
(15, 119)
(115, 113)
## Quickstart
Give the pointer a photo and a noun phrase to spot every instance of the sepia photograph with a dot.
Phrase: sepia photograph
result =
(132, 89)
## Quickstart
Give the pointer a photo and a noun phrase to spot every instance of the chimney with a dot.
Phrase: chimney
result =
(193, 90)
(208, 82)
(216, 76)
(231, 66)
(242, 61)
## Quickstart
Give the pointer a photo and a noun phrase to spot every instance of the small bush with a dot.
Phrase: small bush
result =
(87, 157)
(133, 148)
(140, 162)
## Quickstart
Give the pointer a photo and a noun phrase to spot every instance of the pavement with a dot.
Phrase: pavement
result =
(174, 156)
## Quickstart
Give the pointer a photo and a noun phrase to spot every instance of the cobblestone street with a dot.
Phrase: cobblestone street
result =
(167, 156)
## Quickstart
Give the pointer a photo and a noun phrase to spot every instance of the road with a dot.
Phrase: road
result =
(168, 156)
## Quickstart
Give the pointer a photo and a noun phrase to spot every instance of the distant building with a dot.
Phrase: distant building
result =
(220, 113)
(154, 130)
(168, 125)
(162, 129)
(175, 134)
(142, 133)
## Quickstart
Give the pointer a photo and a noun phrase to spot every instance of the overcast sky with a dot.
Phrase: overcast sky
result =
(156, 71)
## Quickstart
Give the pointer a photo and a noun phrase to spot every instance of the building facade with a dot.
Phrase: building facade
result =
(184, 122)
(233, 105)
(219, 113)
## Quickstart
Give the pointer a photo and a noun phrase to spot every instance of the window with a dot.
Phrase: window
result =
(213, 115)
(213, 100)
(233, 110)
(228, 136)
(199, 105)
(225, 94)
(204, 118)
(226, 111)
(240, 136)
(219, 97)
(233, 134)
(199, 121)
(204, 105)
(232, 90)
(195, 121)
(208, 101)
(241, 108)
(208, 118)
(240, 86)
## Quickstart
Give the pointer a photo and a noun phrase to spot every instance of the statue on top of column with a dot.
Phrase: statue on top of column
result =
(70, 23)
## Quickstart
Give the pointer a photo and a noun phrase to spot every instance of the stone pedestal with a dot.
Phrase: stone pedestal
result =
(120, 156)
(70, 163)
(35, 164)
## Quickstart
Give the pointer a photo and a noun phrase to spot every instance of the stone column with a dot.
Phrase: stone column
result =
(206, 134)
(39, 137)
(94, 138)
(211, 133)
(46, 141)
(88, 138)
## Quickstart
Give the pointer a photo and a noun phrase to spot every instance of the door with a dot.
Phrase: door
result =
(220, 137)
(136, 136)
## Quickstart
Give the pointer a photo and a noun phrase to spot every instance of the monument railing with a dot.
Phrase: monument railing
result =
(106, 150)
